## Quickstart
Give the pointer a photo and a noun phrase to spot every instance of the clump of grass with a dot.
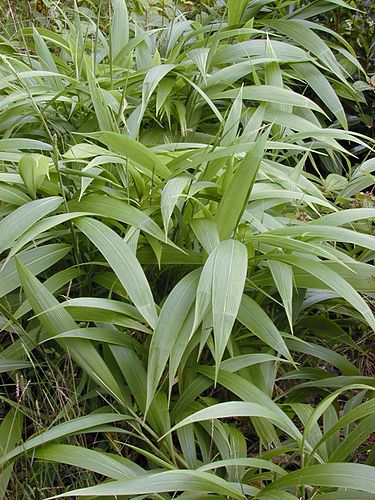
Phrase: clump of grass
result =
(187, 278)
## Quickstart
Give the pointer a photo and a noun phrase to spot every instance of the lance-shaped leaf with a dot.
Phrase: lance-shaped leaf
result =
(335, 475)
(171, 319)
(105, 464)
(235, 10)
(170, 197)
(229, 275)
(333, 280)
(103, 113)
(206, 232)
(283, 277)
(56, 320)
(33, 170)
(10, 434)
(104, 206)
(204, 291)
(135, 151)
(236, 196)
(236, 409)
(119, 27)
(260, 324)
(10, 365)
(124, 263)
(36, 260)
(269, 93)
(21, 219)
(68, 428)
(174, 480)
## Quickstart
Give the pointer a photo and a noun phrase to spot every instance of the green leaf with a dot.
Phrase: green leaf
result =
(170, 197)
(235, 10)
(171, 319)
(354, 439)
(104, 206)
(344, 217)
(102, 111)
(135, 151)
(237, 194)
(33, 171)
(65, 429)
(252, 316)
(56, 320)
(99, 334)
(232, 122)
(283, 277)
(333, 280)
(228, 281)
(21, 219)
(176, 480)
(10, 435)
(310, 41)
(233, 409)
(206, 232)
(328, 233)
(13, 195)
(20, 143)
(269, 93)
(152, 79)
(36, 260)
(257, 463)
(119, 28)
(204, 290)
(321, 86)
(125, 265)
(105, 464)
(250, 393)
(323, 353)
(335, 475)
(9, 365)
(40, 227)
(53, 284)
(359, 412)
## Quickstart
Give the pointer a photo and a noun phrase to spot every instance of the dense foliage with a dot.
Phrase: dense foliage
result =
(187, 245)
